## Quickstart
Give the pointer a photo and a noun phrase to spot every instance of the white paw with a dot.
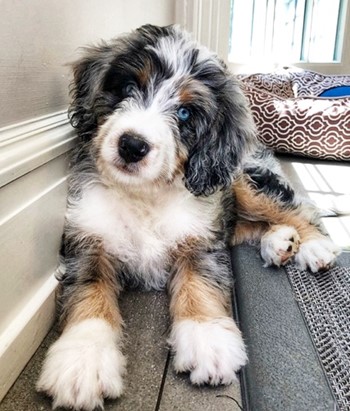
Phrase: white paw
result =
(317, 254)
(83, 366)
(279, 244)
(212, 351)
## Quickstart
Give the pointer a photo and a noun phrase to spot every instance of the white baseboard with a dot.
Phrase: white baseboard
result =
(32, 189)
(25, 333)
(28, 145)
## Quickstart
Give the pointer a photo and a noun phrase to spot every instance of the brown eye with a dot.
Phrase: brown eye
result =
(129, 89)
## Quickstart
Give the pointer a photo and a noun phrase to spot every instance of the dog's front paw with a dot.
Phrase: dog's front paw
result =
(317, 254)
(279, 244)
(83, 366)
(212, 351)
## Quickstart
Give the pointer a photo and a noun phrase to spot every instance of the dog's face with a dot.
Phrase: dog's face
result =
(156, 105)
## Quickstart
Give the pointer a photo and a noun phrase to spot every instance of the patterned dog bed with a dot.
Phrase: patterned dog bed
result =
(290, 121)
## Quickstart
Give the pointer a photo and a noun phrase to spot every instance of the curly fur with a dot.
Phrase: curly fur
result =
(166, 174)
(218, 138)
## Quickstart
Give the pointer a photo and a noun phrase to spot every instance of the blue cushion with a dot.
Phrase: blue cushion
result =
(340, 91)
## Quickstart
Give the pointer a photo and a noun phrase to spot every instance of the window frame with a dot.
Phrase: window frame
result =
(209, 21)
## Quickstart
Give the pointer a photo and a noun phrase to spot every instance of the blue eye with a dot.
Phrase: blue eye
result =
(183, 114)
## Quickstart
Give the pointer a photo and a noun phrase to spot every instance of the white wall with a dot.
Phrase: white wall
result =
(38, 37)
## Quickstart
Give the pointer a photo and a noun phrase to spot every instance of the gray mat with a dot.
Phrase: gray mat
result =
(324, 300)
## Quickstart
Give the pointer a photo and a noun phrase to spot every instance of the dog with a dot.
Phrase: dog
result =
(168, 173)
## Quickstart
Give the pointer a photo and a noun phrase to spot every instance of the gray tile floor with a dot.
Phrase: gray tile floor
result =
(151, 383)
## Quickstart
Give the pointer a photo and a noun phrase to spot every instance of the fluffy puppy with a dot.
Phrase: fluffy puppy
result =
(166, 174)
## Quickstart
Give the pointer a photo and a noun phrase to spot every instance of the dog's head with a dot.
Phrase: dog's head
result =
(156, 104)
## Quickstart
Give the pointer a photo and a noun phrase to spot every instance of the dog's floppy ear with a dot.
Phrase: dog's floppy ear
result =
(215, 157)
(86, 89)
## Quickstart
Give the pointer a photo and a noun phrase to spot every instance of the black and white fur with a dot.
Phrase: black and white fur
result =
(166, 175)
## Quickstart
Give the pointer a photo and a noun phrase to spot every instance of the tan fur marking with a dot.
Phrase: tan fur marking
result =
(144, 74)
(97, 300)
(185, 95)
(259, 207)
(248, 231)
(193, 298)
(193, 90)
(183, 251)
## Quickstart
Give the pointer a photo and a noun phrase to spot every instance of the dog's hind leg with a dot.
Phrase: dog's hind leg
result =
(85, 364)
(268, 210)
(204, 338)
(278, 243)
(248, 232)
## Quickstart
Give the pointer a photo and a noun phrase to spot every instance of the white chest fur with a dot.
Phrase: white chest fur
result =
(140, 230)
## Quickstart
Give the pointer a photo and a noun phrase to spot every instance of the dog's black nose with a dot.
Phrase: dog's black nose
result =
(132, 149)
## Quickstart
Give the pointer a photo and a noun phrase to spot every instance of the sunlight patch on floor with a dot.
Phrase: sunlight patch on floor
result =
(339, 230)
(328, 186)
(325, 178)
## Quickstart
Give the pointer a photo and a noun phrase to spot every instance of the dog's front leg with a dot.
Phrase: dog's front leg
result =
(204, 338)
(85, 364)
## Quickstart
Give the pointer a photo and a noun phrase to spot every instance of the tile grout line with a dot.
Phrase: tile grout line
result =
(162, 384)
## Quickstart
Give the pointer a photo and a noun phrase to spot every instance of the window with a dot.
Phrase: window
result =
(284, 31)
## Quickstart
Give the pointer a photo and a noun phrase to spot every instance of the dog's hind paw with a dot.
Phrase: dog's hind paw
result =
(83, 366)
(212, 351)
(317, 254)
(279, 245)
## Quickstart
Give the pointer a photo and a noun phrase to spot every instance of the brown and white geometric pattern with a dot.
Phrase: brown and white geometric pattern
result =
(278, 83)
(309, 83)
(313, 127)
